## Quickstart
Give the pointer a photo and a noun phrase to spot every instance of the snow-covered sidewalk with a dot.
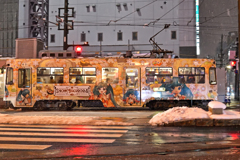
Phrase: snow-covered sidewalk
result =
(67, 120)
(184, 113)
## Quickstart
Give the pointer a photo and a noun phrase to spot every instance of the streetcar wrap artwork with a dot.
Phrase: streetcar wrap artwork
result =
(72, 90)
(116, 82)
(104, 92)
(24, 97)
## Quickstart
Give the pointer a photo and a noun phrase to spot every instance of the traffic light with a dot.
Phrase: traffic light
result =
(233, 64)
(78, 50)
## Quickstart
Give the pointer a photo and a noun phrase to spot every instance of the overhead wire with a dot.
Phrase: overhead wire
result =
(131, 13)
(218, 15)
(165, 13)
(140, 24)
(194, 15)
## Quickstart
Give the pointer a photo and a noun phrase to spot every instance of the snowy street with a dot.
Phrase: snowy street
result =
(101, 134)
(96, 142)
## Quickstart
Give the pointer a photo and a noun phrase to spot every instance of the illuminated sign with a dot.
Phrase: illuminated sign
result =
(197, 27)
(72, 90)
(160, 89)
(131, 74)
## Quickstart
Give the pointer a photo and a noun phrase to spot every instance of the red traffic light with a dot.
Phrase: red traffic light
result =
(233, 63)
(78, 49)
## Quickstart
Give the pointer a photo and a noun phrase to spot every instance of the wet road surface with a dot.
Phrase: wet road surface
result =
(96, 142)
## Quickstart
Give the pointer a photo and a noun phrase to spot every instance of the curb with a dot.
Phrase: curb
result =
(204, 123)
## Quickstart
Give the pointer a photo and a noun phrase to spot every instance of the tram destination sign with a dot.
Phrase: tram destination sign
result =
(72, 90)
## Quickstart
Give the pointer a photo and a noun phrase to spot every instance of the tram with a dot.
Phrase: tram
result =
(63, 83)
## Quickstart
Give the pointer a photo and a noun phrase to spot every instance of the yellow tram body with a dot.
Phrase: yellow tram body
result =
(115, 82)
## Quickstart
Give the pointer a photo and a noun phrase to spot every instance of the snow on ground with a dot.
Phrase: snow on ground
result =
(80, 120)
(217, 104)
(178, 114)
(185, 113)
(227, 114)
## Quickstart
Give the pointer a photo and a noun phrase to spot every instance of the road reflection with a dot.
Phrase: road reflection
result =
(83, 149)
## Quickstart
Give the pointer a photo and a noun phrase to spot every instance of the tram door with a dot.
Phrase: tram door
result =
(24, 90)
(132, 94)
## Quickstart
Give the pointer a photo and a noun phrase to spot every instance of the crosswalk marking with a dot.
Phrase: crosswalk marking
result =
(71, 126)
(60, 134)
(72, 140)
(24, 146)
(33, 137)
(62, 130)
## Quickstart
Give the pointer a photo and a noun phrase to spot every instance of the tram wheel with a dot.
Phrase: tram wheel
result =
(183, 103)
(151, 105)
(62, 106)
(159, 105)
(39, 106)
(35, 107)
(171, 105)
(69, 105)
(9, 105)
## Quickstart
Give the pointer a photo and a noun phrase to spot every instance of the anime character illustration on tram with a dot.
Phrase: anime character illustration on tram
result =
(114, 82)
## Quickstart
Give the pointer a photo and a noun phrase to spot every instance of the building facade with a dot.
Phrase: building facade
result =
(8, 27)
(218, 27)
(118, 26)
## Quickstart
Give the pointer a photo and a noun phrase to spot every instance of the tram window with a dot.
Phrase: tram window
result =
(158, 75)
(24, 78)
(151, 71)
(60, 54)
(165, 71)
(52, 54)
(132, 77)
(2, 88)
(158, 79)
(89, 71)
(69, 55)
(44, 55)
(212, 76)
(158, 71)
(75, 71)
(43, 71)
(9, 77)
(191, 74)
(110, 74)
(49, 75)
(82, 75)
(200, 70)
(201, 79)
(58, 71)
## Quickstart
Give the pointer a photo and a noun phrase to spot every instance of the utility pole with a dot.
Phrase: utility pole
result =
(221, 54)
(68, 25)
(238, 50)
(65, 39)
(237, 75)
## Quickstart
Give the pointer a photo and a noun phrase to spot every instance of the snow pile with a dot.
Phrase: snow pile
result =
(2, 115)
(227, 114)
(178, 114)
(216, 104)
(82, 120)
